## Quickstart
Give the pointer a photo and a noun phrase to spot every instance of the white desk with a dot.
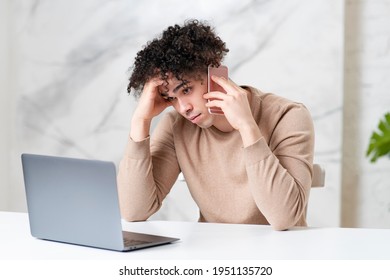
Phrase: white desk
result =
(206, 241)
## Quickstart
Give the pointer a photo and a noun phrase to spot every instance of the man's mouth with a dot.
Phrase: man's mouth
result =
(192, 119)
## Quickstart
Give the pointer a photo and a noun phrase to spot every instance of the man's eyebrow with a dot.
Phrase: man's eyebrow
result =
(176, 89)
(184, 83)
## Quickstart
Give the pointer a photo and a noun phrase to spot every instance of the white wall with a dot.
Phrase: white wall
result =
(4, 119)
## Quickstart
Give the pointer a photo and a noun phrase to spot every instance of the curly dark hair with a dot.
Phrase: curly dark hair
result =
(184, 51)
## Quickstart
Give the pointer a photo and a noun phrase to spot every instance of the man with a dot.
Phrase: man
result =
(253, 164)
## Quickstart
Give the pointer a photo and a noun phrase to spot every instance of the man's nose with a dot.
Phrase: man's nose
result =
(185, 106)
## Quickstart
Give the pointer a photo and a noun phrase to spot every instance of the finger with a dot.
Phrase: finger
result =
(151, 88)
(214, 103)
(154, 83)
(214, 94)
(227, 84)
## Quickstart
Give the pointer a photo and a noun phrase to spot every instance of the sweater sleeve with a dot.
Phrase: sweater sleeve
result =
(280, 170)
(147, 173)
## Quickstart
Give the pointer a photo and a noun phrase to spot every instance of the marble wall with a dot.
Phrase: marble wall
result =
(70, 60)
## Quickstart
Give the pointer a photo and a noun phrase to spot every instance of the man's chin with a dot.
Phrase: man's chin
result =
(206, 123)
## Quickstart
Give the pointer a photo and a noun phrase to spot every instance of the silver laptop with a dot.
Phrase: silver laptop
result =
(76, 201)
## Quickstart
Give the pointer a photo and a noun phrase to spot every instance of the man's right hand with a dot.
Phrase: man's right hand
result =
(150, 104)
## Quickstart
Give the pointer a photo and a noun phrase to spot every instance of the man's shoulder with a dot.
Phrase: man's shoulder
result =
(268, 98)
(271, 108)
(273, 102)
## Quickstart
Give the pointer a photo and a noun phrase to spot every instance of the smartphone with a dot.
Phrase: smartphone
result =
(221, 71)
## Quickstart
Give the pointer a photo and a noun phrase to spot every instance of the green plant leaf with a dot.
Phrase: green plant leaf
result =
(380, 140)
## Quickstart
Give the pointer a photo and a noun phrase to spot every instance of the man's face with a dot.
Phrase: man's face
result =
(187, 99)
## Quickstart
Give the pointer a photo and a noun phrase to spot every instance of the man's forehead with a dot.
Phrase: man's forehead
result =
(169, 85)
(172, 84)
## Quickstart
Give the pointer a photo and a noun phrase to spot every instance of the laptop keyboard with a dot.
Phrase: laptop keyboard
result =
(134, 242)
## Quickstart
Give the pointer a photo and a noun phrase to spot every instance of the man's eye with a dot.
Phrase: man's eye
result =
(170, 98)
(187, 90)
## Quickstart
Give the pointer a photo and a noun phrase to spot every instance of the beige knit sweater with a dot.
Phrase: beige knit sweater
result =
(265, 183)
